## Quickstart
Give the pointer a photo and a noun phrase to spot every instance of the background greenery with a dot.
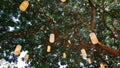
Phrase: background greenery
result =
(69, 21)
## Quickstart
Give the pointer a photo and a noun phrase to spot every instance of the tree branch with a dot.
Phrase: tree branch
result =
(108, 49)
(92, 15)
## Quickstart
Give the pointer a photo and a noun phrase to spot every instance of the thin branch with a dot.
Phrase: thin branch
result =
(104, 20)
(82, 21)
(92, 15)
(105, 61)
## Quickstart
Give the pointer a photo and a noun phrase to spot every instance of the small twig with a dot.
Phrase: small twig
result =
(82, 21)
(105, 61)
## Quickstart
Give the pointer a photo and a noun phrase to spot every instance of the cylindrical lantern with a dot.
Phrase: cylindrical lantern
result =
(23, 6)
(89, 60)
(26, 57)
(83, 52)
(52, 38)
(48, 48)
(64, 55)
(17, 50)
(101, 65)
(93, 38)
(69, 41)
(63, 0)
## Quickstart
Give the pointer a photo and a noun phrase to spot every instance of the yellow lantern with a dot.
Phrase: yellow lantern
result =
(93, 38)
(64, 55)
(23, 6)
(83, 52)
(48, 48)
(17, 50)
(52, 38)
(89, 60)
(63, 0)
(26, 57)
(101, 65)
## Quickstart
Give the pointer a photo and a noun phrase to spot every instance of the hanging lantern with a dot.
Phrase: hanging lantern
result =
(89, 60)
(17, 50)
(23, 6)
(52, 38)
(69, 41)
(26, 57)
(83, 52)
(48, 48)
(101, 65)
(64, 55)
(93, 38)
(63, 0)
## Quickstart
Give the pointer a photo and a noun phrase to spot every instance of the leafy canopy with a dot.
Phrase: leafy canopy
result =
(68, 21)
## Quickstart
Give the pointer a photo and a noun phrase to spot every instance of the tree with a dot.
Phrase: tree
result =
(71, 20)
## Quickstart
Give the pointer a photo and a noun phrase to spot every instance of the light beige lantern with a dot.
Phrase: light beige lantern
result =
(89, 60)
(48, 48)
(93, 38)
(63, 0)
(52, 38)
(83, 52)
(64, 55)
(101, 65)
(69, 41)
(26, 57)
(17, 50)
(24, 5)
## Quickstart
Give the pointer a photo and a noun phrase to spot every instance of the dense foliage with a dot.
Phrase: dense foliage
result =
(68, 21)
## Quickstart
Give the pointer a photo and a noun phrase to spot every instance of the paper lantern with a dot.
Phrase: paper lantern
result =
(23, 6)
(17, 50)
(83, 52)
(93, 38)
(48, 48)
(69, 41)
(63, 0)
(89, 60)
(101, 65)
(52, 38)
(26, 57)
(64, 55)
